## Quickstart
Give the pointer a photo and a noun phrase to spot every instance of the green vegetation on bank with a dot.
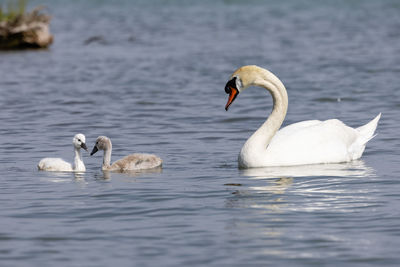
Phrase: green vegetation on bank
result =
(20, 29)
(12, 10)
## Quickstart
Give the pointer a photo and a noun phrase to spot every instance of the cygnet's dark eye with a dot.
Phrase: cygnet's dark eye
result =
(79, 140)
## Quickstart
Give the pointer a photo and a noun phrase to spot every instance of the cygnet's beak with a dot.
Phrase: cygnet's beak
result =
(233, 93)
(94, 150)
(83, 145)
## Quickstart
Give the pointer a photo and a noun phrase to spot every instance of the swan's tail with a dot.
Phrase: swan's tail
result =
(367, 131)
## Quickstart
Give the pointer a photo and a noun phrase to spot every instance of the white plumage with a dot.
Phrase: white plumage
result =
(306, 142)
(58, 164)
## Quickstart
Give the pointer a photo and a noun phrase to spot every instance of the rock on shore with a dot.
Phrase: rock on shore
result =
(30, 30)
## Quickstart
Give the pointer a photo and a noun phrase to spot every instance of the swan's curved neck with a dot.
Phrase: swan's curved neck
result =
(78, 163)
(107, 157)
(259, 141)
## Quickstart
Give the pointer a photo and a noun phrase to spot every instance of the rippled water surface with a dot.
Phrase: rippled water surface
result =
(151, 75)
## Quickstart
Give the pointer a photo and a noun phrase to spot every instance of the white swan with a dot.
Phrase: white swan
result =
(306, 142)
(133, 162)
(60, 165)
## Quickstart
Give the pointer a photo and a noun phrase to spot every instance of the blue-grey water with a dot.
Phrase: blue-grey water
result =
(151, 76)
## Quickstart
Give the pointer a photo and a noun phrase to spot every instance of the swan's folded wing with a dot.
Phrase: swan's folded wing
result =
(54, 164)
(311, 142)
(137, 162)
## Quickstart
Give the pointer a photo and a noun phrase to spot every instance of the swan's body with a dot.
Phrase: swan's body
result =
(306, 142)
(133, 162)
(60, 165)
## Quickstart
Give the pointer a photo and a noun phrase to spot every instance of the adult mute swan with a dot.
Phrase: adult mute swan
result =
(60, 165)
(306, 142)
(132, 162)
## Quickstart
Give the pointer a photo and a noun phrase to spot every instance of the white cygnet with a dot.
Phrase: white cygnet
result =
(60, 165)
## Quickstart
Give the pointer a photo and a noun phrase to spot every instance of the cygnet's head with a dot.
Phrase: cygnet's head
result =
(102, 143)
(79, 141)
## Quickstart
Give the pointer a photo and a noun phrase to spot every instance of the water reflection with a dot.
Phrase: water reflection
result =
(79, 176)
(59, 177)
(268, 191)
(275, 181)
(275, 186)
(64, 177)
(268, 196)
(273, 193)
(350, 169)
(106, 175)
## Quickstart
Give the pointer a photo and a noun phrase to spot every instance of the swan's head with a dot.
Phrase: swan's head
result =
(79, 141)
(102, 143)
(240, 80)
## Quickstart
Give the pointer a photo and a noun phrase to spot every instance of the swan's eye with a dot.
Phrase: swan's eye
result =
(79, 140)
(230, 84)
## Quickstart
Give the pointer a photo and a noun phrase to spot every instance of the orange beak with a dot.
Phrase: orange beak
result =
(233, 92)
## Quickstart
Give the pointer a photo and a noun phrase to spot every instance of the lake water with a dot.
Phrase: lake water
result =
(151, 76)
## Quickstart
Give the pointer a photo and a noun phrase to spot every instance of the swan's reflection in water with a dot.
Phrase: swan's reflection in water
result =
(350, 169)
(280, 197)
(268, 197)
(277, 180)
(79, 176)
(106, 175)
(60, 177)
(65, 177)
(272, 183)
